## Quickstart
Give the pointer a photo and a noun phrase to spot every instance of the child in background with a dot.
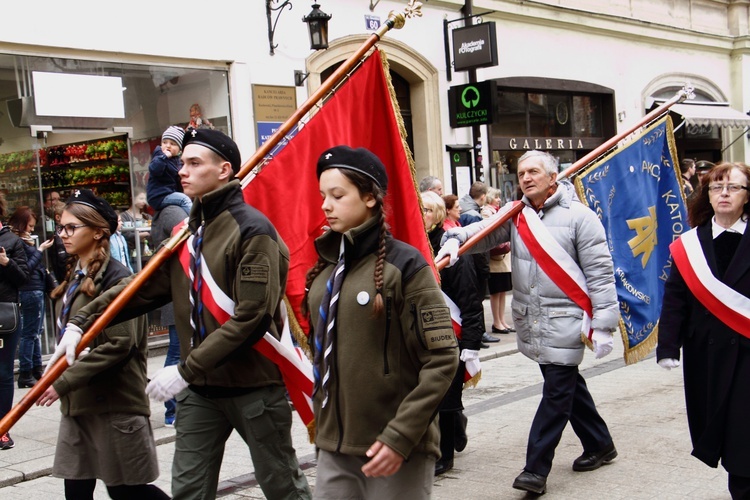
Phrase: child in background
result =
(164, 186)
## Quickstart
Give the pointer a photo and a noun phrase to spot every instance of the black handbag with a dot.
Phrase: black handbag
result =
(10, 318)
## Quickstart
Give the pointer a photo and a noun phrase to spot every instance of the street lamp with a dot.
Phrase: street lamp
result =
(317, 24)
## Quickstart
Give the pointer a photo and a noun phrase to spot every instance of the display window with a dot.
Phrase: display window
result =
(72, 123)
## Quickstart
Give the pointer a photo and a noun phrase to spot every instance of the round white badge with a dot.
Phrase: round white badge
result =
(363, 298)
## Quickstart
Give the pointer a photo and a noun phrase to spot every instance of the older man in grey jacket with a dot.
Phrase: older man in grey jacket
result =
(549, 319)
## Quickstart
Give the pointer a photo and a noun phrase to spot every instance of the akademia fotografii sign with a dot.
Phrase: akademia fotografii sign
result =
(474, 47)
(472, 104)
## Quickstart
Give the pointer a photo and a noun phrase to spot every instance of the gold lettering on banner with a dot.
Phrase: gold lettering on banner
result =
(548, 142)
(644, 241)
(526, 145)
(512, 143)
(560, 144)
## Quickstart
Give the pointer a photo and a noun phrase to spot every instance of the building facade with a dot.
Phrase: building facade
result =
(569, 75)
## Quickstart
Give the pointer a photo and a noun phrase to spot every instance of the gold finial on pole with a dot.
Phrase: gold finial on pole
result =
(396, 20)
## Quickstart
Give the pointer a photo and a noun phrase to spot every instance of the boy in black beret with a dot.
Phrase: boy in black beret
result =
(222, 382)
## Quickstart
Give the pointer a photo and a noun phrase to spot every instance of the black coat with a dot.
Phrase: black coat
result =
(16, 273)
(716, 362)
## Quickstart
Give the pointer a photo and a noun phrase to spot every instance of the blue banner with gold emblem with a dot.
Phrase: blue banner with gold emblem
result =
(636, 191)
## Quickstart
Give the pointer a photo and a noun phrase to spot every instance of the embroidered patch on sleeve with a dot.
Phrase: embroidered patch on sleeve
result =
(436, 327)
(255, 273)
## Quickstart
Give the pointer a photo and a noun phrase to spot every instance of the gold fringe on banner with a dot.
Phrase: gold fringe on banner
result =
(473, 381)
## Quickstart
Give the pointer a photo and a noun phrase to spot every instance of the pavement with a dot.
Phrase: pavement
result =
(643, 405)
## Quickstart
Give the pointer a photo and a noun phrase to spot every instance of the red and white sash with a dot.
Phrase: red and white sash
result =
(473, 368)
(555, 262)
(729, 306)
(294, 365)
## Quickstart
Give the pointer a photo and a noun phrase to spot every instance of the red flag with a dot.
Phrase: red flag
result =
(360, 114)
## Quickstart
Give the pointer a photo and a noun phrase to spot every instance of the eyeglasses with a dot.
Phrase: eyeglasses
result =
(69, 229)
(732, 188)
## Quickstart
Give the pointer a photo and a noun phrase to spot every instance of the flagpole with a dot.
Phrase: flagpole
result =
(684, 93)
(395, 20)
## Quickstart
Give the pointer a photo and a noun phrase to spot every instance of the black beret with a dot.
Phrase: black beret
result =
(88, 198)
(362, 160)
(216, 141)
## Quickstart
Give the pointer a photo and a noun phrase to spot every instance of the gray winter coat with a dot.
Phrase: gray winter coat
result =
(548, 323)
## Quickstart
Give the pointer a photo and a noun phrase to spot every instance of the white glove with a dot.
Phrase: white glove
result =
(603, 343)
(67, 346)
(166, 384)
(468, 355)
(450, 247)
(669, 363)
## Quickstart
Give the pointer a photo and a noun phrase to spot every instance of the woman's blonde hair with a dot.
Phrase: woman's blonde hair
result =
(434, 202)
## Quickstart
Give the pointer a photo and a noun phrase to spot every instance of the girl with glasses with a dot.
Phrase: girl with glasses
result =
(105, 431)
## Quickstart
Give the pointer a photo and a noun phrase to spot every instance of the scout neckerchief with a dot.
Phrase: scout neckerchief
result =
(295, 367)
(556, 263)
(325, 330)
(729, 306)
(68, 298)
(473, 371)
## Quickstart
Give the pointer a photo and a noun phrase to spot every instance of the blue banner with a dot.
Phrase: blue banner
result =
(637, 193)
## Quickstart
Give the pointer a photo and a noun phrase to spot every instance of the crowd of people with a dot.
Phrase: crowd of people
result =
(222, 291)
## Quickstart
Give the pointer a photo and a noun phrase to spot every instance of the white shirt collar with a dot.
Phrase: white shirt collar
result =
(737, 227)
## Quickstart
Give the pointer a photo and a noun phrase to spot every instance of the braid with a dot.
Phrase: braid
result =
(377, 304)
(69, 266)
(102, 252)
(309, 278)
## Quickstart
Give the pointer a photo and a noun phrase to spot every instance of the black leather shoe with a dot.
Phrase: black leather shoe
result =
(25, 380)
(484, 346)
(528, 481)
(460, 440)
(593, 460)
(500, 330)
(443, 466)
(486, 337)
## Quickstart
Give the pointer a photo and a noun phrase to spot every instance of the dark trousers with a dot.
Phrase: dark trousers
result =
(565, 397)
(739, 487)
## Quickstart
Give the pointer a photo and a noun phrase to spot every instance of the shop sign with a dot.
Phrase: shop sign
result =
(474, 46)
(545, 143)
(472, 104)
(460, 158)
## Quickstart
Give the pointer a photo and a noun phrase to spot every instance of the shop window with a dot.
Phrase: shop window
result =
(547, 114)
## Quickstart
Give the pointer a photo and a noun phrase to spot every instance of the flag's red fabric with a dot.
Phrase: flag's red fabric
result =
(360, 114)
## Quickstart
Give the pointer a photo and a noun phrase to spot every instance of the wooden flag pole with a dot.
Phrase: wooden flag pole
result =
(684, 93)
(395, 20)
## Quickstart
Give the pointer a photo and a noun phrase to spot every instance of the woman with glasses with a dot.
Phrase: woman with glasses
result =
(706, 313)
(105, 431)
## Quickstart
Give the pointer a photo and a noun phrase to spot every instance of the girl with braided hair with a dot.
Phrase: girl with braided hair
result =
(383, 346)
(105, 431)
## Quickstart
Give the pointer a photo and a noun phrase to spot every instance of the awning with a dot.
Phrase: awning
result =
(711, 114)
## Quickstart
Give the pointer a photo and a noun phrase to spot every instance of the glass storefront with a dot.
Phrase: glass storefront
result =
(566, 118)
(55, 138)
